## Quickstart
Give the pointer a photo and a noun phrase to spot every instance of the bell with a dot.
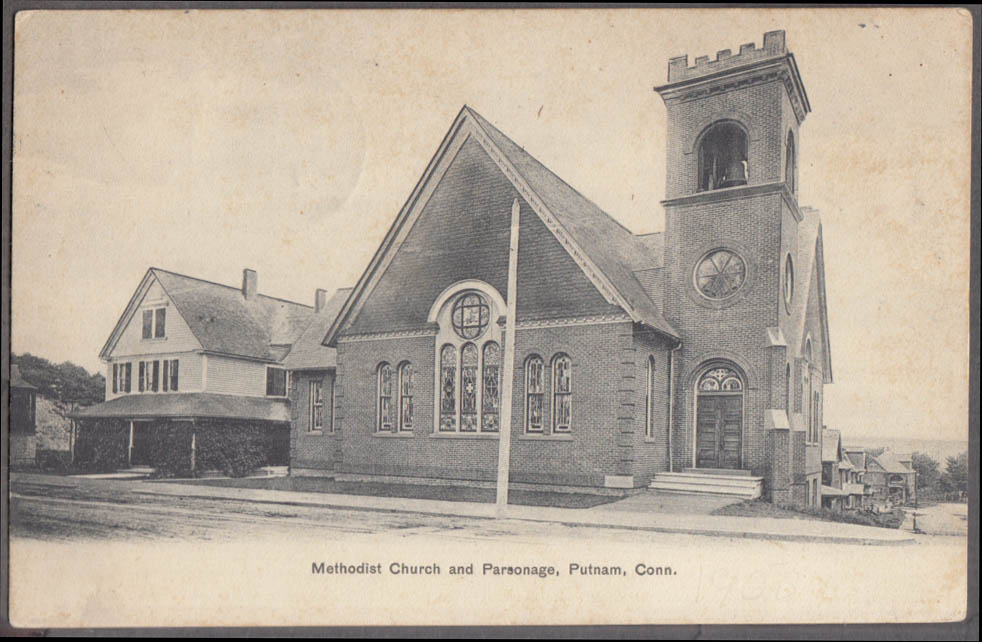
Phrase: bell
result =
(736, 174)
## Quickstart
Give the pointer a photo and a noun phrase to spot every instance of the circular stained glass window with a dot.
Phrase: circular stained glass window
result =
(470, 315)
(720, 274)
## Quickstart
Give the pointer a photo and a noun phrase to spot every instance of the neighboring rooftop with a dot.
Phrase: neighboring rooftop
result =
(308, 353)
(18, 381)
(229, 320)
(891, 463)
(190, 404)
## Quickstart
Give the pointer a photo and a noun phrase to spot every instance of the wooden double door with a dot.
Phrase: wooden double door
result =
(719, 431)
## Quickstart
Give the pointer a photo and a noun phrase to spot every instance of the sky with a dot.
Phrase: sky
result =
(204, 142)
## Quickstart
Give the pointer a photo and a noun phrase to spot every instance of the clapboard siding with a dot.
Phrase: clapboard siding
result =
(179, 337)
(232, 376)
(188, 379)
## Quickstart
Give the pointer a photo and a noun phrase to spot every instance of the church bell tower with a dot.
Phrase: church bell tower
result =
(731, 217)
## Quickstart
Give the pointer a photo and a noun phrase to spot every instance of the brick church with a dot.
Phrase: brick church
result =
(693, 359)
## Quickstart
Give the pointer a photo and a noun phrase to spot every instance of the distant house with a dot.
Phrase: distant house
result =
(188, 354)
(23, 419)
(891, 478)
(842, 485)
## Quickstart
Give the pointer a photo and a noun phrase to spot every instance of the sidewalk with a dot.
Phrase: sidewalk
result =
(604, 516)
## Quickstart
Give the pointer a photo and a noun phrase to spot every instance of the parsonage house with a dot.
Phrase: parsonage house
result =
(689, 360)
(192, 365)
(693, 359)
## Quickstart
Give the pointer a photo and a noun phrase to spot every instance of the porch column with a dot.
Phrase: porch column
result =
(129, 450)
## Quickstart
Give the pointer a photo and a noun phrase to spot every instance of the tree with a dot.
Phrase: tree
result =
(955, 477)
(64, 382)
(928, 470)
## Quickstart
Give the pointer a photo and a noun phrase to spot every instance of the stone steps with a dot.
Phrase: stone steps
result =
(714, 483)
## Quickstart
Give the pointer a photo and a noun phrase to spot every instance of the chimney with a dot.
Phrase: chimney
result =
(320, 300)
(250, 281)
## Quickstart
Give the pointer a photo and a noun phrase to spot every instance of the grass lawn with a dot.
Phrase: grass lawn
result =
(412, 491)
(760, 508)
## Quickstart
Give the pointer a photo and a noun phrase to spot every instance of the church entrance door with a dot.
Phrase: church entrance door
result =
(719, 420)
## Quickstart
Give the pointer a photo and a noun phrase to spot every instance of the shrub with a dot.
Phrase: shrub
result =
(235, 448)
(53, 461)
(102, 445)
(170, 449)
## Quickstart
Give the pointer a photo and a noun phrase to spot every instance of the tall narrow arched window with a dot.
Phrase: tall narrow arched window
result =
(562, 393)
(407, 405)
(386, 419)
(468, 388)
(649, 387)
(723, 157)
(533, 394)
(491, 402)
(789, 163)
(448, 388)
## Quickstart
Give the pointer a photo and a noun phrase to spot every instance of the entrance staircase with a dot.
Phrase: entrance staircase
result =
(710, 481)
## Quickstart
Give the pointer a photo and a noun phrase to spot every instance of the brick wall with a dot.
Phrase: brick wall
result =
(317, 449)
(603, 391)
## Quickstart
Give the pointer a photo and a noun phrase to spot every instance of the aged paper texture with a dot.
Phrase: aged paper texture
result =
(289, 141)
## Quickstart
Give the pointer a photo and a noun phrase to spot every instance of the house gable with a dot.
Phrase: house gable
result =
(127, 339)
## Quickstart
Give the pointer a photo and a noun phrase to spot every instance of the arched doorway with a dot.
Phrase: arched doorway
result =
(719, 417)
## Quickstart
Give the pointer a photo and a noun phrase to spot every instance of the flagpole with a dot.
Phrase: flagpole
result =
(508, 371)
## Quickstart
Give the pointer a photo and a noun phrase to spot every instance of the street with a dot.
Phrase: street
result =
(105, 554)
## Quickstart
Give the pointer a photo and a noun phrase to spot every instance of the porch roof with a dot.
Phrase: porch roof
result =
(190, 405)
(830, 491)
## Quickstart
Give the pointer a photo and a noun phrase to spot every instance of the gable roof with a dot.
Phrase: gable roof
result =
(221, 319)
(831, 445)
(889, 462)
(308, 353)
(17, 380)
(810, 255)
(582, 227)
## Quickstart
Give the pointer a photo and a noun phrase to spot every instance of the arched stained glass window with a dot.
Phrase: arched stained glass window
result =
(470, 316)
(491, 395)
(720, 379)
(386, 419)
(407, 407)
(533, 394)
(468, 388)
(448, 388)
(562, 393)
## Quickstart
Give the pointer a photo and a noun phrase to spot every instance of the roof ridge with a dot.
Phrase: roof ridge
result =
(230, 287)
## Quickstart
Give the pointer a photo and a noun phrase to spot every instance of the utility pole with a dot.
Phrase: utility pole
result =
(508, 371)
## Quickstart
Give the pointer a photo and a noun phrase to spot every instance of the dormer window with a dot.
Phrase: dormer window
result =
(155, 323)
(723, 157)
